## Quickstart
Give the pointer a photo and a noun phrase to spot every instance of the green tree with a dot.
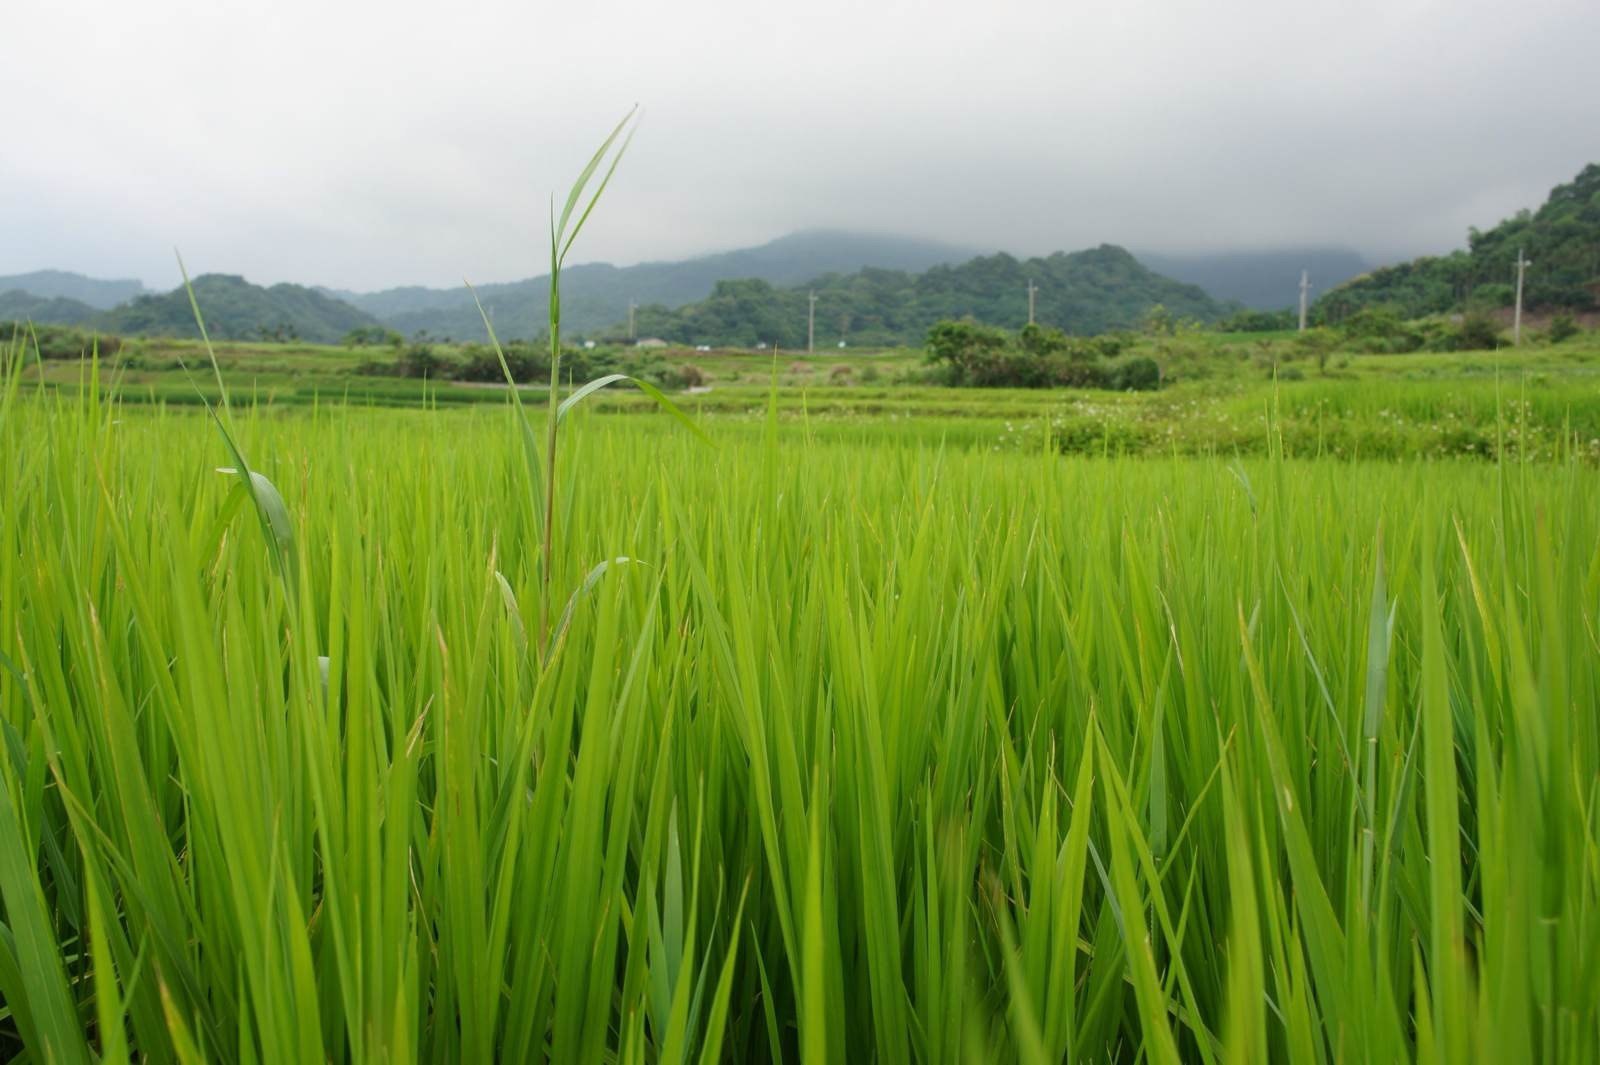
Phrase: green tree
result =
(965, 347)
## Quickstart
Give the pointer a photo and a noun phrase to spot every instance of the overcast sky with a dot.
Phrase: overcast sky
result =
(367, 145)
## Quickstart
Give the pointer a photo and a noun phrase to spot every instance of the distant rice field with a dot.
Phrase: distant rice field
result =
(889, 749)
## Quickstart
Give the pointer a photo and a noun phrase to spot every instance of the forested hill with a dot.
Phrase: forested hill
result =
(96, 293)
(1561, 239)
(594, 295)
(17, 305)
(235, 309)
(1084, 292)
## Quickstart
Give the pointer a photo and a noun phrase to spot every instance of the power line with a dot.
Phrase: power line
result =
(1305, 289)
(811, 322)
(1032, 291)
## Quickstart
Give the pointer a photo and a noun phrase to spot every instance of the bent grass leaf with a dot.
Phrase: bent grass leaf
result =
(582, 590)
(642, 385)
(274, 514)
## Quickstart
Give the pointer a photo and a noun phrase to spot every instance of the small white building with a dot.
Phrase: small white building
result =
(650, 342)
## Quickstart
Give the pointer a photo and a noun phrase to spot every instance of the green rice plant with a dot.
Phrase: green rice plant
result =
(903, 748)
(563, 233)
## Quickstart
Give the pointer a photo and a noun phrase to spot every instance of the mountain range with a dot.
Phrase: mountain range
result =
(95, 293)
(1560, 240)
(1084, 292)
(596, 297)
(234, 310)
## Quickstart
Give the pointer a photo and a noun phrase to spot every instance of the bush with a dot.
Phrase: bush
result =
(1478, 332)
(1138, 374)
(1038, 357)
(1562, 327)
(672, 376)
(1042, 340)
(1380, 330)
(1488, 297)
(62, 342)
(526, 363)
(373, 335)
(420, 360)
(964, 347)
(1079, 373)
(1248, 321)
(1110, 345)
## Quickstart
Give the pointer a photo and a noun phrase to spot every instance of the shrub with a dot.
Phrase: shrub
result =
(1380, 330)
(1249, 321)
(1488, 297)
(62, 342)
(1478, 332)
(1138, 374)
(420, 360)
(1562, 327)
(1110, 345)
(373, 335)
(963, 347)
(1042, 339)
(526, 363)
(1077, 373)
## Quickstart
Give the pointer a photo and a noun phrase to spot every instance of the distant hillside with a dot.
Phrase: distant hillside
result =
(234, 309)
(1261, 280)
(19, 306)
(596, 295)
(60, 284)
(1084, 292)
(1561, 238)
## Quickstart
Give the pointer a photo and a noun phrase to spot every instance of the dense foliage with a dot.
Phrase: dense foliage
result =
(595, 296)
(1253, 321)
(19, 306)
(57, 341)
(237, 310)
(1561, 239)
(1084, 293)
(528, 363)
(1036, 357)
(372, 336)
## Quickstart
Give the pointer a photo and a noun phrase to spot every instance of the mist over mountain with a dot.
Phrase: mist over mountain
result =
(596, 295)
(872, 288)
(1084, 292)
(1263, 280)
(235, 309)
(1561, 238)
(63, 284)
(19, 306)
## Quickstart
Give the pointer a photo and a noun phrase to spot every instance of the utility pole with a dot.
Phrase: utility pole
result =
(1305, 289)
(632, 306)
(1032, 291)
(811, 322)
(1516, 318)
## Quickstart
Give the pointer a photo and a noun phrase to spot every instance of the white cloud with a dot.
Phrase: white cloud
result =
(375, 144)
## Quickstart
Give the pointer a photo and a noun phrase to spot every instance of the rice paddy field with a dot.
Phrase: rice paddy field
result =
(835, 739)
